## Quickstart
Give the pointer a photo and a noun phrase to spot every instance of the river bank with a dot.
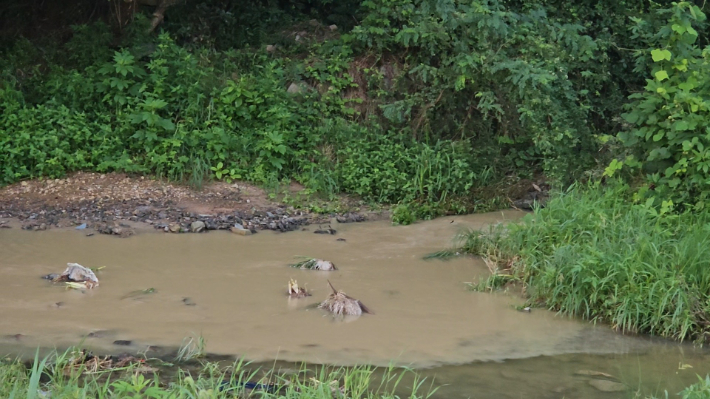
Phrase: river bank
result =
(118, 204)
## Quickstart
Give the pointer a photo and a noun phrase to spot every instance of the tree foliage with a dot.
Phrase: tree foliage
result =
(420, 102)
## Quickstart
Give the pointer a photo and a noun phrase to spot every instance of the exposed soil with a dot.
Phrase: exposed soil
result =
(116, 203)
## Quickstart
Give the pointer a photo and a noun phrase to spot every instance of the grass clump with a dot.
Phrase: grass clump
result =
(593, 253)
(51, 376)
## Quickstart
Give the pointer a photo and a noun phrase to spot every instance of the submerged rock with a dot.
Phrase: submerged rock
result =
(328, 230)
(607, 386)
(117, 229)
(240, 231)
(340, 304)
(351, 218)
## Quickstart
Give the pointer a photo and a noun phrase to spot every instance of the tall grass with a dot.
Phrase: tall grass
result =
(595, 254)
(55, 375)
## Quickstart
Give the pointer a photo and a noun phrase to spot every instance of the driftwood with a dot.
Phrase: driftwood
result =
(342, 305)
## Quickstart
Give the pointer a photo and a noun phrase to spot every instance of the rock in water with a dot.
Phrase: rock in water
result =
(342, 305)
(197, 226)
(174, 227)
(242, 231)
(329, 230)
(350, 218)
(315, 264)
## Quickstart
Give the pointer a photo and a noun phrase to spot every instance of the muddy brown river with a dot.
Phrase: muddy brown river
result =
(231, 290)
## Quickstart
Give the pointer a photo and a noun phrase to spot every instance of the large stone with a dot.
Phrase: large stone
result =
(607, 386)
(197, 226)
(294, 88)
(174, 227)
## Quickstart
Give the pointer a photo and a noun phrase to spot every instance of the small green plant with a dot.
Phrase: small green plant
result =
(191, 348)
(226, 174)
(402, 215)
(137, 387)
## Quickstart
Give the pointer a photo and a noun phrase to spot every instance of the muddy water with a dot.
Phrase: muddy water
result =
(235, 287)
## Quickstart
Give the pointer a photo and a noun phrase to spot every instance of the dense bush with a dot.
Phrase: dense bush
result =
(671, 117)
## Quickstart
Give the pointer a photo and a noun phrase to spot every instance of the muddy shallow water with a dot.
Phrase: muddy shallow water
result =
(235, 285)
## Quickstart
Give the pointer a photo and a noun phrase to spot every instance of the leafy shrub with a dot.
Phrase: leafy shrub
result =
(671, 117)
(515, 79)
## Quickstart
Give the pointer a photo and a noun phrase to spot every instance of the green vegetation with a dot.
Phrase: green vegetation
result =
(436, 105)
(699, 390)
(60, 376)
(593, 253)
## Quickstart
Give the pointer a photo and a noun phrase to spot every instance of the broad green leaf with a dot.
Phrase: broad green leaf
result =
(661, 75)
(679, 29)
(660, 55)
(689, 85)
(680, 126)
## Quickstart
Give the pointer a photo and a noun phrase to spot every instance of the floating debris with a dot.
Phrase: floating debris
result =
(342, 305)
(315, 264)
(76, 276)
(294, 291)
